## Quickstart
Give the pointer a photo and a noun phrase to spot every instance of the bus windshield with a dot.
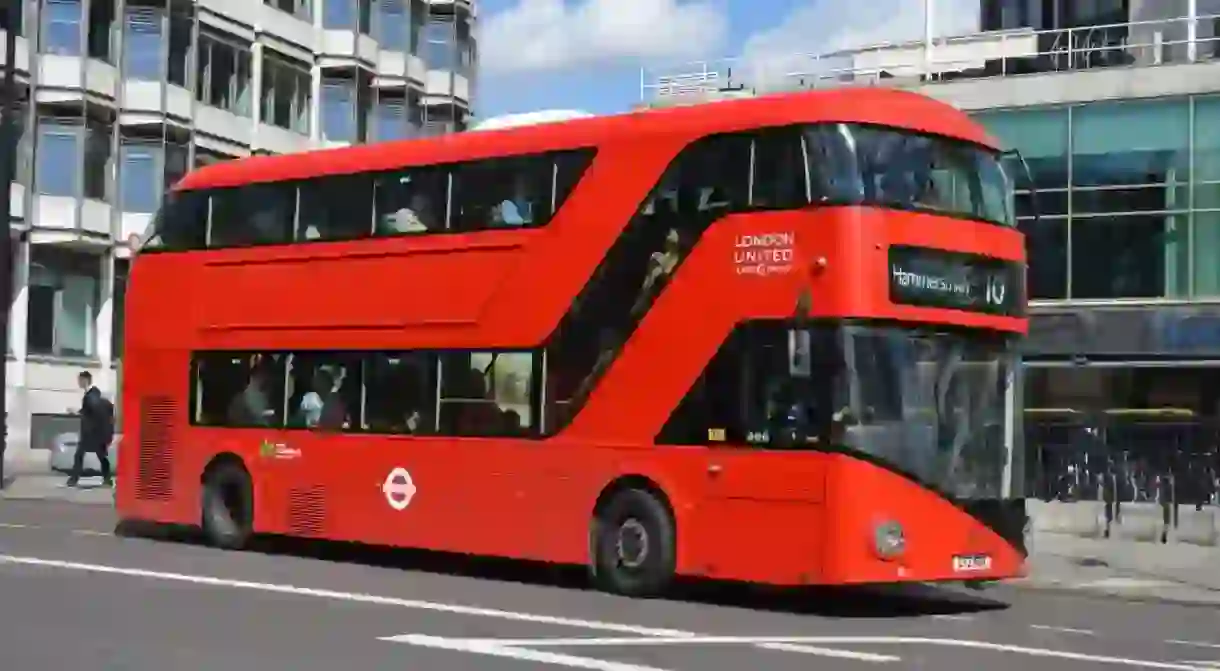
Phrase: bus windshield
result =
(927, 402)
(933, 404)
(868, 165)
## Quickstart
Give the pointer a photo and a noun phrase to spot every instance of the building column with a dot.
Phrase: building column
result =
(1192, 30)
(256, 82)
(18, 316)
(929, 34)
(315, 107)
(17, 394)
(105, 324)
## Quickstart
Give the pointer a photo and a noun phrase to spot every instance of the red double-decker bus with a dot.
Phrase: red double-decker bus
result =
(769, 340)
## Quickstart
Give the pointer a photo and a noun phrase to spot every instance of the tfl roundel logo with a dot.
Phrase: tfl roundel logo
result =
(399, 489)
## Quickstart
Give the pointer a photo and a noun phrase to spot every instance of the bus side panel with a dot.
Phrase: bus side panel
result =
(774, 542)
(157, 477)
(864, 495)
(761, 518)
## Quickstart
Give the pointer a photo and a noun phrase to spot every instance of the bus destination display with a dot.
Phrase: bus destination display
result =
(939, 279)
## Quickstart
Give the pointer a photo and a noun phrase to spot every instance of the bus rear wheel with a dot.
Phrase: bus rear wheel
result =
(228, 506)
(633, 545)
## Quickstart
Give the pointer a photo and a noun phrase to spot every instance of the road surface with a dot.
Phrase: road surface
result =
(73, 595)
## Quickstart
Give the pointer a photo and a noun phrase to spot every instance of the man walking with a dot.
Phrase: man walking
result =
(96, 430)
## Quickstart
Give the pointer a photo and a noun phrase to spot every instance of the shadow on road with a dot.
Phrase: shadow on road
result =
(888, 601)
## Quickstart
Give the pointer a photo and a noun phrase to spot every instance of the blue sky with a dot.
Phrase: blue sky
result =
(587, 54)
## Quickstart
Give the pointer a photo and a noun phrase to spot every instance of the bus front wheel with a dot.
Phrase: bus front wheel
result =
(228, 506)
(633, 544)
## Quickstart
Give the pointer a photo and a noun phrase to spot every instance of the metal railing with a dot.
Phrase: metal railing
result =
(1116, 460)
(989, 54)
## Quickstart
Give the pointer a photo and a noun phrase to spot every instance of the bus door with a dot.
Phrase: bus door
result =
(762, 460)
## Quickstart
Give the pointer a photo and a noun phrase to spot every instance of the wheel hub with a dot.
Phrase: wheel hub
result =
(632, 544)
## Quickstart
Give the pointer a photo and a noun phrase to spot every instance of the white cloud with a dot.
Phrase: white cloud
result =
(551, 35)
(827, 26)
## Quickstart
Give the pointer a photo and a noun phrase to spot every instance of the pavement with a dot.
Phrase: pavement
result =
(298, 606)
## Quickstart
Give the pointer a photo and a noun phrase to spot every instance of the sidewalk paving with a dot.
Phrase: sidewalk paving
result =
(1127, 570)
(50, 487)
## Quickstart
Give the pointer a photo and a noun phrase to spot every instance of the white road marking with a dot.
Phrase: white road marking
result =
(558, 659)
(10, 525)
(1124, 583)
(510, 648)
(1205, 664)
(828, 652)
(955, 618)
(89, 532)
(1194, 644)
(810, 640)
(473, 611)
(1063, 630)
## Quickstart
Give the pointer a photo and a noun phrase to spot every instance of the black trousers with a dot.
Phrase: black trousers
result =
(103, 457)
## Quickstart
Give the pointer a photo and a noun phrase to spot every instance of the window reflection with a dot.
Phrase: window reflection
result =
(928, 403)
(851, 163)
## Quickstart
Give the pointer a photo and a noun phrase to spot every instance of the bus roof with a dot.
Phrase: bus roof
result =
(882, 106)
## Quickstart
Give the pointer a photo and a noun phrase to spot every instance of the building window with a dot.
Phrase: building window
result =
(177, 164)
(398, 116)
(149, 168)
(348, 14)
(1205, 232)
(345, 107)
(56, 157)
(60, 163)
(286, 92)
(122, 267)
(1043, 138)
(299, 8)
(1007, 14)
(61, 27)
(63, 302)
(17, 29)
(392, 24)
(205, 157)
(1130, 189)
(181, 29)
(139, 175)
(97, 158)
(101, 30)
(464, 50)
(224, 75)
(142, 43)
(419, 16)
(439, 48)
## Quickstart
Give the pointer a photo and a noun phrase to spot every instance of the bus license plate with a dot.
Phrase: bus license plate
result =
(969, 563)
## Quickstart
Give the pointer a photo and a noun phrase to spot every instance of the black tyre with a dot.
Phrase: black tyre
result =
(633, 545)
(228, 507)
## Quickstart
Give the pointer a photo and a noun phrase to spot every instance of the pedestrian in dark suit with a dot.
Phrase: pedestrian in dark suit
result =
(96, 430)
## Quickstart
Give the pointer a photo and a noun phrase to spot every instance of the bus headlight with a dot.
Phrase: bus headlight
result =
(889, 541)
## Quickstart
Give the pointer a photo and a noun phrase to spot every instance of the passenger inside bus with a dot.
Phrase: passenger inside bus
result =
(323, 406)
(517, 207)
(414, 217)
(251, 407)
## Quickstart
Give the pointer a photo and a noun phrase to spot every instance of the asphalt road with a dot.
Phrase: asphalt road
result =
(73, 595)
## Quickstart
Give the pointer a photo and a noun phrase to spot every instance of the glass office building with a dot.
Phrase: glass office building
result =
(120, 98)
(1125, 258)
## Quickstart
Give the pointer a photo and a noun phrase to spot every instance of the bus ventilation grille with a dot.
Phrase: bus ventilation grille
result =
(307, 511)
(154, 475)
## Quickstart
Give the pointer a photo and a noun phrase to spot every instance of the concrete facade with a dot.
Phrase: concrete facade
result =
(122, 97)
